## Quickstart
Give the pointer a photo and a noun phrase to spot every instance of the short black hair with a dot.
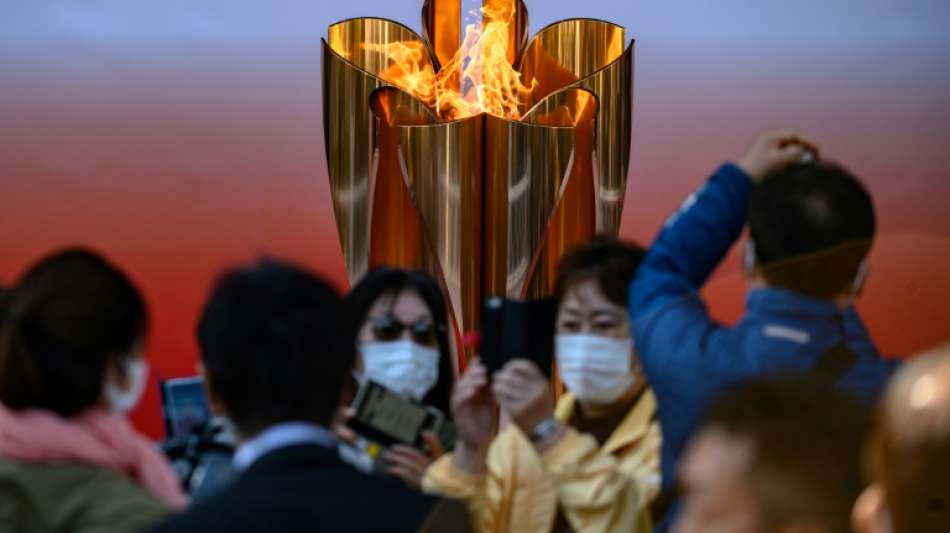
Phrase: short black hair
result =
(611, 262)
(807, 440)
(812, 225)
(65, 320)
(392, 281)
(276, 346)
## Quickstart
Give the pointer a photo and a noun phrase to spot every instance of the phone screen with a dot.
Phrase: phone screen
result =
(185, 406)
(513, 329)
(387, 416)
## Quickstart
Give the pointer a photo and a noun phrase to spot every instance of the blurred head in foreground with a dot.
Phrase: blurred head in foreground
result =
(276, 346)
(908, 456)
(774, 455)
(71, 336)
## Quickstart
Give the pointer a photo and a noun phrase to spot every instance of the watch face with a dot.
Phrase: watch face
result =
(544, 429)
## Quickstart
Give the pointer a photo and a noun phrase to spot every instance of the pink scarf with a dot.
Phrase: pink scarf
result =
(95, 437)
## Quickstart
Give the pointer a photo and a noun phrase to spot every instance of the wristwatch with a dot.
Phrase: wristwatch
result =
(545, 429)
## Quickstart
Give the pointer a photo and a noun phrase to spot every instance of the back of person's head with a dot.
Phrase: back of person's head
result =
(276, 345)
(794, 445)
(812, 227)
(609, 261)
(69, 318)
(390, 282)
(908, 457)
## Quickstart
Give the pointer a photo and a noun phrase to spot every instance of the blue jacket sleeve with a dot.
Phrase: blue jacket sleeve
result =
(672, 330)
(692, 242)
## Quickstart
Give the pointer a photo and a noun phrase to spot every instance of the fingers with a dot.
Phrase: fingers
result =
(789, 142)
(435, 446)
(406, 463)
(476, 373)
(405, 455)
(507, 382)
(473, 381)
(468, 390)
(524, 368)
(340, 428)
(776, 150)
(345, 414)
(345, 434)
(789, 154)
(508, 391)
(407, 475)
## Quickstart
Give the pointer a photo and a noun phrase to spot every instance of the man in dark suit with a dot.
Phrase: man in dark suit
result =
(276, 347)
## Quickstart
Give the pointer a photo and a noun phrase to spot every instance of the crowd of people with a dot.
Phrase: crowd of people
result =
(656, 417)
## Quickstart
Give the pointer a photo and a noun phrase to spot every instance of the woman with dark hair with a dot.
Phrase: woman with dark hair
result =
(403, 342)
(71, 366)
(586, 462)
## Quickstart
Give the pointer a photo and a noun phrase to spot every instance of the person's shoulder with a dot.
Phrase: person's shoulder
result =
(394, 506)
(90, 498)
(390, 491)
(121, 502)
(333, 497)
(216, 513)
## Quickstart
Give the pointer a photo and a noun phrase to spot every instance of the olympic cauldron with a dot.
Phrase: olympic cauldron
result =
(480, 158)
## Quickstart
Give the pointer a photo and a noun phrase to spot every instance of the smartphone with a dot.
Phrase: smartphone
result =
(387, 418)
(184, 405)
(515, 329)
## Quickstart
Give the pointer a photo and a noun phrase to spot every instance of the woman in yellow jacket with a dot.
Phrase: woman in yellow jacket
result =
(592, 462)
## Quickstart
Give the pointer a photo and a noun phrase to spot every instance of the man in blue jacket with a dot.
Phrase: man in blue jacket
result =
(811, 227)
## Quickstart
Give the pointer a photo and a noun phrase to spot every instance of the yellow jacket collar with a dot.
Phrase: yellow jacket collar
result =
(633, 428)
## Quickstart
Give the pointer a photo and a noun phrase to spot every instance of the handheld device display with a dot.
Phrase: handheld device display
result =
(388, 418)
(184, 406)
(514, 329)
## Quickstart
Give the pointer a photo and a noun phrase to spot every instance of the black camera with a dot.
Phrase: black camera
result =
(199, 446)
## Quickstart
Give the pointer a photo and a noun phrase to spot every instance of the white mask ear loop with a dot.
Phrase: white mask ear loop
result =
(748, 257)
(859, 278)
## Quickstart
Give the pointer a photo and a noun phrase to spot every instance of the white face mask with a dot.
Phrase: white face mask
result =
(404, 367)
(122, 401)
(595, 369)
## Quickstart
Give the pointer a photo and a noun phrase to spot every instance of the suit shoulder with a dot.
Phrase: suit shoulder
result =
(334, 499)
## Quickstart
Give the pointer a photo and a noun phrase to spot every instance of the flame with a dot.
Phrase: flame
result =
(478, 79)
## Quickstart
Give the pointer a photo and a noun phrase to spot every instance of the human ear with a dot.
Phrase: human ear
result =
(214, 402)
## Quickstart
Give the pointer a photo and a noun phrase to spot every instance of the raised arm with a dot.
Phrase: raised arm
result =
(697, 237)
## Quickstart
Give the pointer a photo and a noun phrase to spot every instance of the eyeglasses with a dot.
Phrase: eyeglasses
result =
(388, 329)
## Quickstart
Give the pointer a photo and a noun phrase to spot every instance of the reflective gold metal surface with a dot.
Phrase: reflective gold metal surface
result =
(359, 41)
(443, 165)
(526, 166)
(442, 27)
(396, 234)
(574, 220)
(486, 204)
(350, 75)
(589, 53)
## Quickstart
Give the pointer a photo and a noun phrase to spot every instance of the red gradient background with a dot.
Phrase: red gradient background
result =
(183, 136)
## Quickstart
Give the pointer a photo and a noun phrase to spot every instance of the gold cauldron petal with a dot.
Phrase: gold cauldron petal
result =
(442, 27)
(350, 74)
(488, 205)
(603, 67)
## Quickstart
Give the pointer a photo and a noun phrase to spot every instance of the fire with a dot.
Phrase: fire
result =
(478, 79)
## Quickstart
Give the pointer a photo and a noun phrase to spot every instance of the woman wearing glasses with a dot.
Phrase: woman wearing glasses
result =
(588, 462)
(403, 346)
